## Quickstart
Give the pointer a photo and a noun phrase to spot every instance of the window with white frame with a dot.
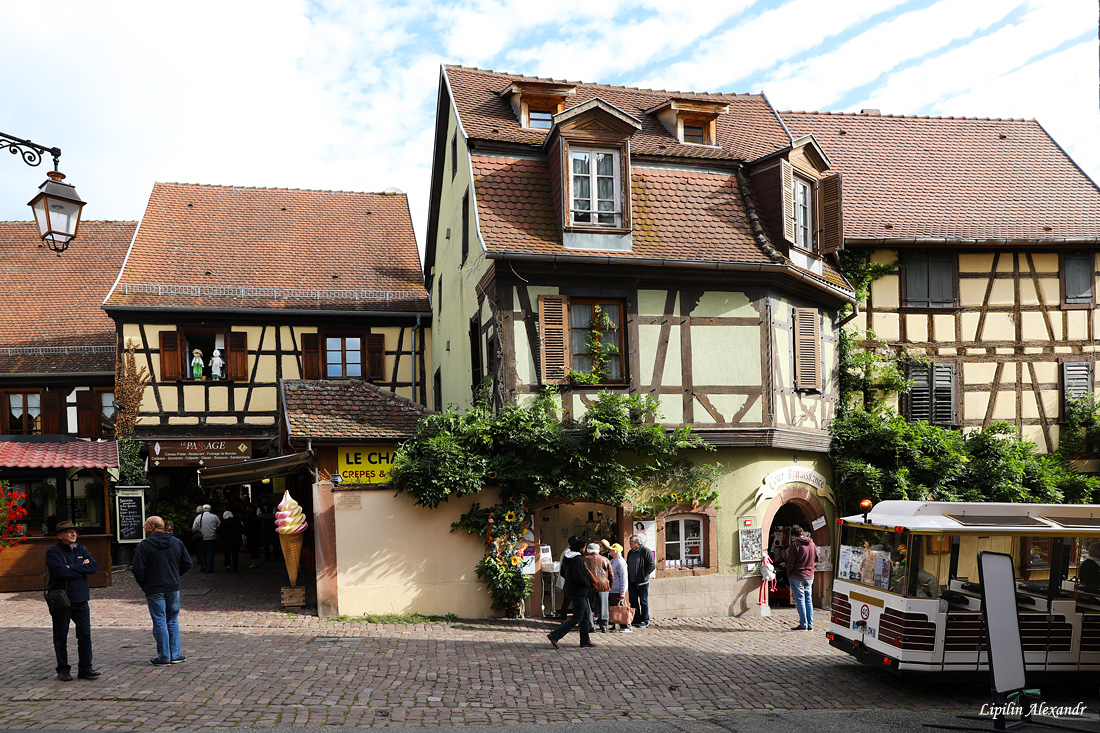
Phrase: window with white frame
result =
(803, 214)
(684, 542)
(597, 198)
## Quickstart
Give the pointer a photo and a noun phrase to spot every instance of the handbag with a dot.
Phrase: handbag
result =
(621, 614)
(56, 600)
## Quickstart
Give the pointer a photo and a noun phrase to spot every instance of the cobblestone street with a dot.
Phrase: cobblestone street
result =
(249, 665)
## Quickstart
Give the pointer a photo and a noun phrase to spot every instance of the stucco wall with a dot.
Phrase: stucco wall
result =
(395, 557)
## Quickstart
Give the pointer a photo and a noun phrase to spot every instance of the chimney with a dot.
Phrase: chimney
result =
(870, 111)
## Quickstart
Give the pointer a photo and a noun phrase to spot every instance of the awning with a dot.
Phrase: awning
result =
(248, 471)
(78, 454)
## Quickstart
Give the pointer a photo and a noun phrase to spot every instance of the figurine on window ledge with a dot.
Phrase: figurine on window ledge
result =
(196, 363)
(216, 365)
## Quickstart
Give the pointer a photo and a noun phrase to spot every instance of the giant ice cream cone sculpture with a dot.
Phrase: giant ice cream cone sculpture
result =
(290, 523)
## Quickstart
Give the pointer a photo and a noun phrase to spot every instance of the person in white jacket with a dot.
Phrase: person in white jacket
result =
(205, 529)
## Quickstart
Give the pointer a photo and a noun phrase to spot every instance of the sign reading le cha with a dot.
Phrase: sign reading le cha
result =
(366, 464)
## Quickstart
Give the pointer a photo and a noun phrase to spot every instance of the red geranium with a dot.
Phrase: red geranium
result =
(11, 511)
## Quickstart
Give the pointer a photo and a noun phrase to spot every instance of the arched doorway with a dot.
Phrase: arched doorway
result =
(796, 504)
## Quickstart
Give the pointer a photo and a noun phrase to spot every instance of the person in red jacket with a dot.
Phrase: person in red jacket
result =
(801, 556)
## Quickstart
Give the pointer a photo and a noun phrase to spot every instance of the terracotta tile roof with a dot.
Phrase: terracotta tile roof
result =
(955, 178)
(348, 408)
(227, 247)
(52, 318)
(677, 214)
(78, 454)
(748, 131)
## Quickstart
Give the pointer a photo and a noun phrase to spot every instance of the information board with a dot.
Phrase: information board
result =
(751, 544)
(130, 510)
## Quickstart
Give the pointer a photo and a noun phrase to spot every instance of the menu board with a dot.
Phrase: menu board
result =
(130, 510)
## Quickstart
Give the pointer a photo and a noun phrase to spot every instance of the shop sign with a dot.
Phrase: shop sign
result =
(366, 464)
(166, 453)
(792, 474)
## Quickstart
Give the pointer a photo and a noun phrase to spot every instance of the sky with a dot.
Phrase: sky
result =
(341, 94)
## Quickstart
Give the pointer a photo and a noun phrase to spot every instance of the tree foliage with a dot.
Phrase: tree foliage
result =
(616, 452)
(130, 383)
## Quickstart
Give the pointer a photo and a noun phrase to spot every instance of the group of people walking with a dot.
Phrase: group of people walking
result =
(595, 583)
(251, 525)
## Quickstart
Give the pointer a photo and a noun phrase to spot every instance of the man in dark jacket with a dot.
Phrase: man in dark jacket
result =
(640, 564)
(69, 564)
(801, 556)
(159, 562)
(577, 586)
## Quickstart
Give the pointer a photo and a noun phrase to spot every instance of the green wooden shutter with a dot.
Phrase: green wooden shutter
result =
(941, 280)
(920, 394)
(1076, 379)
(1078, 277)
(943, 394)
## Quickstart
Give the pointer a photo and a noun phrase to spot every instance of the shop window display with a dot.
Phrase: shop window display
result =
(683, 542)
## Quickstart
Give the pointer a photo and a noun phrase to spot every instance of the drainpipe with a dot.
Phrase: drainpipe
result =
(415, 366)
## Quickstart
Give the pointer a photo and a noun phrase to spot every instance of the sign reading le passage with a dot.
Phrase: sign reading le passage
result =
(366, 464)
(198, 452)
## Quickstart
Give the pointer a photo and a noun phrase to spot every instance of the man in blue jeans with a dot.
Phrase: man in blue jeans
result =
(801, 556)
(159, 562)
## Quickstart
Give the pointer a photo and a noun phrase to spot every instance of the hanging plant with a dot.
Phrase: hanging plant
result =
(598, 347)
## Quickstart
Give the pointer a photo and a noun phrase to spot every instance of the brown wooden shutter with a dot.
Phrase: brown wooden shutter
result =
(311, 356)
(554, 334)
(807, 355)
(171, 362)
(786, 181)
(237, 359)
(51, 413)
(376, 356)
(85, 414)
(832, 214)
(5, 413)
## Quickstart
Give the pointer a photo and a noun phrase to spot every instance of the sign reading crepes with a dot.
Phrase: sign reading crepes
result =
(198, 452)
(366, 464)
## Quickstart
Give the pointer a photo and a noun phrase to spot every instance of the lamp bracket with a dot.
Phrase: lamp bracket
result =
(31, 152)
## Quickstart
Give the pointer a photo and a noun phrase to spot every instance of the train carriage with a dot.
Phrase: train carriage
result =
(906, 594)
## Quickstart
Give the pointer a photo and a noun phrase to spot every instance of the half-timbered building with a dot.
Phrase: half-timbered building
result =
(995, 231)
(57, 371)
(693, 232)
(226, 291)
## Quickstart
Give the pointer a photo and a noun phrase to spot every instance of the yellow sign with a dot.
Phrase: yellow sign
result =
(367, 464)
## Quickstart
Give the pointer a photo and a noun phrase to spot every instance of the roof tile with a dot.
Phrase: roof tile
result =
(348, 408)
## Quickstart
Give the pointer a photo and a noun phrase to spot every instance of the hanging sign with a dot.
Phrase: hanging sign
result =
(366, 464)
(198, 452)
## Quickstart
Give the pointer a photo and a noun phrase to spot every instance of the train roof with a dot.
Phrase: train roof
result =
(984, 518)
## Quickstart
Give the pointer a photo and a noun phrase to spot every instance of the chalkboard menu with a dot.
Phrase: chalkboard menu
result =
(130, 509)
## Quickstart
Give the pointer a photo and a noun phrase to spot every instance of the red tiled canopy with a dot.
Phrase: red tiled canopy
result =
(81, 454)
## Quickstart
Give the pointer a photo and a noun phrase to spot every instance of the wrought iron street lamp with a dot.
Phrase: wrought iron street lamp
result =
(57, 206)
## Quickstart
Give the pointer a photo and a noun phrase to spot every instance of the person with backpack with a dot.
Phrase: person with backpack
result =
(601, 576)
(577, 586)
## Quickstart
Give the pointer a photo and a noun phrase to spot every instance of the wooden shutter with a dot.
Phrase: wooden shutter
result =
(916, 281)
(943, 394)
(807, 354)
(171, 361)
(832, 214)
(553, 333)
(920, 394)
(1079, 275)
(786, 176)
(236, 361)
(85, 414)
(1076, 380)
(311, 356)
(476, 373)
(941, 280)
(376, 356)
(51, 413)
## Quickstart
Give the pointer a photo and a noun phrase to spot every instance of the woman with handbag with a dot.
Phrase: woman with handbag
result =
(619, 611)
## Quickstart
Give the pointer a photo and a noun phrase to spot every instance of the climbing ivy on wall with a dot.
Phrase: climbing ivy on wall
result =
(878, 454)
(615, 453)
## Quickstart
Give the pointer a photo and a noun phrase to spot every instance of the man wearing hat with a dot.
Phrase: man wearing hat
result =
(205, 530)
(69, 564)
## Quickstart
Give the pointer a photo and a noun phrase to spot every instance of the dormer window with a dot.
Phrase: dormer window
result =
(597, 198)
(691, 121)
(539, 119)
(695, 134)
(536, 102)
(803, 214)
